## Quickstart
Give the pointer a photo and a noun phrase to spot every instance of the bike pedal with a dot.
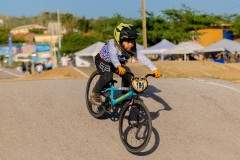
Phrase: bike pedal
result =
(108, 109)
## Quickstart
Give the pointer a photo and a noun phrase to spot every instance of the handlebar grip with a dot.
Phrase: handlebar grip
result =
(152, 75)
(130, 73)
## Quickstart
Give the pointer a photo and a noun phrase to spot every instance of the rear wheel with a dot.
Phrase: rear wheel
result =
(94, 110)
(135, 126)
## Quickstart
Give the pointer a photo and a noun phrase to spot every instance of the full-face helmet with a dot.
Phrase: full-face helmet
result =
(125, 32)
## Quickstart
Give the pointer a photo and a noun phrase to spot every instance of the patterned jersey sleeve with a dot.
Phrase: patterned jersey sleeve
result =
(145, 61)
(113, 53)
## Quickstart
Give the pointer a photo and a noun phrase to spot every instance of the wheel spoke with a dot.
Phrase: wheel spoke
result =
(95, 111)
(135, 127)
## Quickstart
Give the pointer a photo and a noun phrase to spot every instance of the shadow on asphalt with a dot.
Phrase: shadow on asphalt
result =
(156, 137)
(150, 93)
(114, 116)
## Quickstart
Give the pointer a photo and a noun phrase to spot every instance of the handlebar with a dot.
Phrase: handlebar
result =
(146, 76)
(152, 75)
(130, 73)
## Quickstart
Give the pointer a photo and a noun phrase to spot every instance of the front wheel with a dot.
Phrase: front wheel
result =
(94, 110)
(135, 126)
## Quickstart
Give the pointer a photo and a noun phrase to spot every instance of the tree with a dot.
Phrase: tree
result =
(178, 25)
(69, 21)
(175, 25)
(4, 32)
(234, 21)
(4, 36)
(73, 42)
(156, 29)
(82, 24)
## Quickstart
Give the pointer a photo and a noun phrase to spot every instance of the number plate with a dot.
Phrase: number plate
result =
(139, 84)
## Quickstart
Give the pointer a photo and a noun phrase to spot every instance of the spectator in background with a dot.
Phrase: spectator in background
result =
(19, 68)
(39, 68)
(49, 64)
(236, 56)
(74, 61)
(64, 60)
(231, 57)
(23, 67)
(219, 58)
(44, 66)
(30, 67)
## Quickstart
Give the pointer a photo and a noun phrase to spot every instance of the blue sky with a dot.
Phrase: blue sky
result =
(107, 8)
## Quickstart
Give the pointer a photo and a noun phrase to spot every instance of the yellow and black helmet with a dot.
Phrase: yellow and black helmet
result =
(125, 32)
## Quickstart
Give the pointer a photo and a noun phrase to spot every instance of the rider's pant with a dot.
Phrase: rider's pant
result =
(106, 71)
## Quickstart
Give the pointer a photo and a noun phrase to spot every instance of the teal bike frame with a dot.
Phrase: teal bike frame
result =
(112, 89)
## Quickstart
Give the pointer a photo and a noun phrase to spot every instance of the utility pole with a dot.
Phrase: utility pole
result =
(144, 25)
(10, 49)
(59, 38)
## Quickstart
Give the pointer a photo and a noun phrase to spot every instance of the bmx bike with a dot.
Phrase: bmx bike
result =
(135, 123)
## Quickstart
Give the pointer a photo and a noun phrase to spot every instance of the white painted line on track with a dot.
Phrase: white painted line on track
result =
(84, 74)
(13, 74)
(217, 84)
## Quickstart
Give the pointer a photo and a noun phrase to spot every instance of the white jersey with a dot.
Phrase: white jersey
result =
(111, 54)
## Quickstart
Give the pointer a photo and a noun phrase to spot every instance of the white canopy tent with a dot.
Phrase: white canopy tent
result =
(90, 50)
(222, 45)
(184, 48)
(158, 48)
(85, 56)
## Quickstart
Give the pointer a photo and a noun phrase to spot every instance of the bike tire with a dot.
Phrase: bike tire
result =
(95, 111)
(142, 110)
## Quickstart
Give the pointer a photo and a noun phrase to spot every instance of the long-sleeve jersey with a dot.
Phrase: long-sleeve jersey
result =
(111, 54)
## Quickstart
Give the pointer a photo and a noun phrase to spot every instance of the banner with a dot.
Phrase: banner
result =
(43, 47)
(26, 49)
(23, 49)
(4, 51)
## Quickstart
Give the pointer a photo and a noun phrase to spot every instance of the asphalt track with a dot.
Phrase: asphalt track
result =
(193, 119)
(6, 73)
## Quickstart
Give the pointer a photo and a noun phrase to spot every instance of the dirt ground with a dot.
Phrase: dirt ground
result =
(169, 69)
(58, 73)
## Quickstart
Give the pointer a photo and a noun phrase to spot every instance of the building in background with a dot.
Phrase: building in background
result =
(53, 28)
(211, 36)
(46, 38)
(27, 29)
(1, 22)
